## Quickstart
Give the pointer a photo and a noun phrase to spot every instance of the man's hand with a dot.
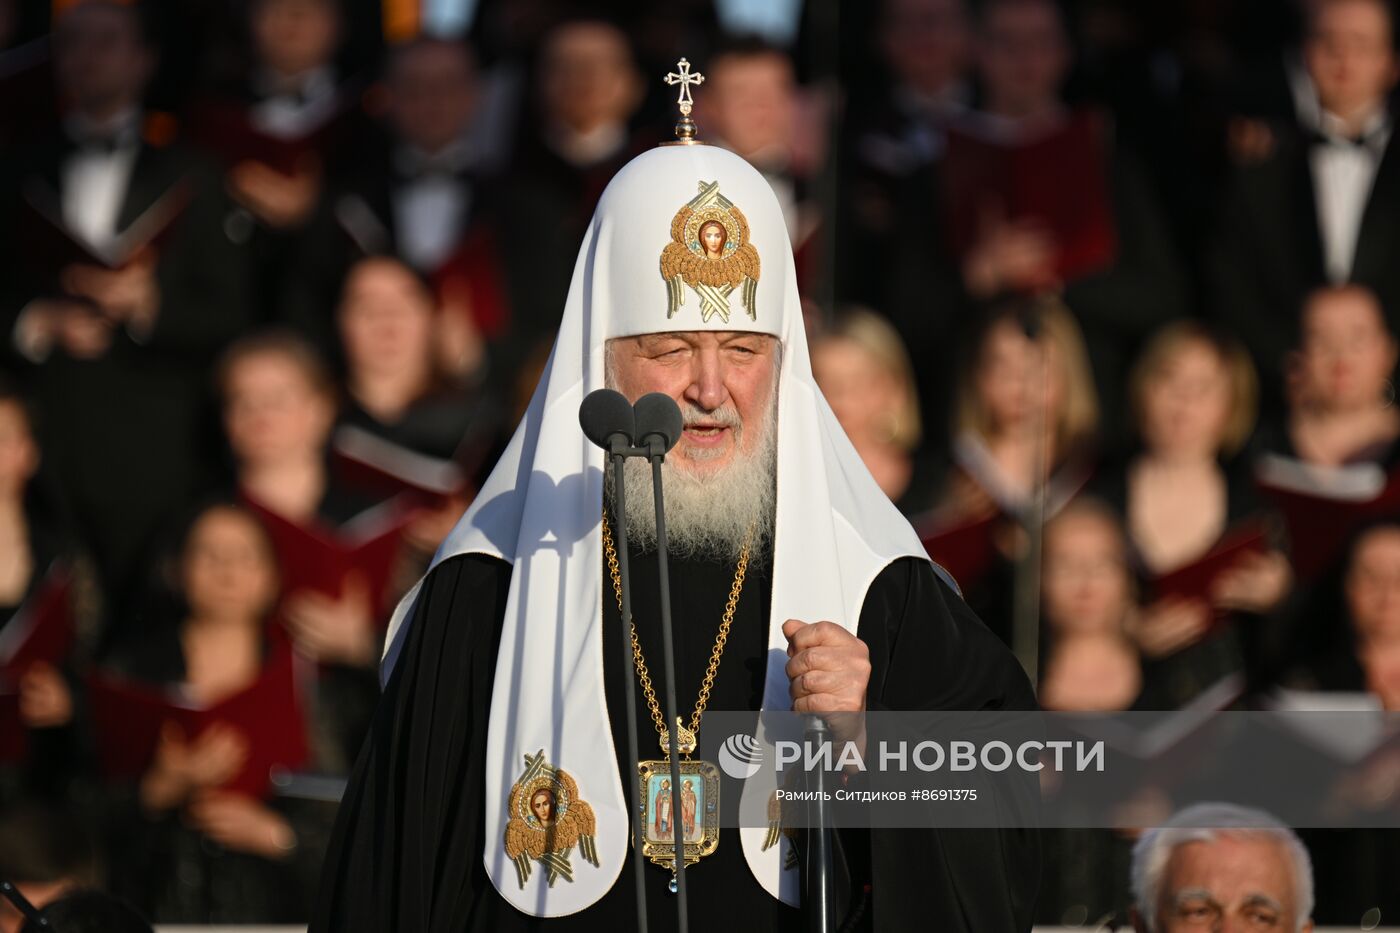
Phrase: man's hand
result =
(82, 330)
(829, 672)
(129, 295)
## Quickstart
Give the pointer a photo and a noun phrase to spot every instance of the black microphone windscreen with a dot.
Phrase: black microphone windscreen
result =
(605, 413)
(658, 413)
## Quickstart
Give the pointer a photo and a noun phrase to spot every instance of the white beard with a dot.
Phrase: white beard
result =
(709, 515)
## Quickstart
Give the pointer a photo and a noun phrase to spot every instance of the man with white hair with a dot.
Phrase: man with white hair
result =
(795, 584)
(1221, 867)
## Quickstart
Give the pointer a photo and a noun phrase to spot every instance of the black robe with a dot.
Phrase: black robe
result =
(407, 850)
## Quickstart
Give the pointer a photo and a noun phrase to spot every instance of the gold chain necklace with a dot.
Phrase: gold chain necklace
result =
(693, 806)
(685, 738)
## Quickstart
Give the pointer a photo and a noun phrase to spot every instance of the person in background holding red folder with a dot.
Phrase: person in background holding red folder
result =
(189, 850)
(1106, 246)
(1011, 382)
(1182, 496)
(115, 345)
(396, 391)
(49, 607)
(279, 405)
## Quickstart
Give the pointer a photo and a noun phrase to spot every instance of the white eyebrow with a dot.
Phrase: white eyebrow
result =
(1191, 894)
(1263, 900)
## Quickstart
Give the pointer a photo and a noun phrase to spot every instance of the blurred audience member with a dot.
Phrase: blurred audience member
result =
(1182, 496)
(48, 620)
(1026, 412)
(1193, 395)
(587, 90)
(83, 911)
(1320, 207)
(116, 347)
(751, 105)
(1087, 600)
(424, 199)
(926, 46)
(275, 127)
(864, 372)
(1357, 654)
(197, 850)
(1220, 866)
(279, 407)
(338, 548)
(891, 247)
(1342, 400)
(1076, 210)
(395, 393)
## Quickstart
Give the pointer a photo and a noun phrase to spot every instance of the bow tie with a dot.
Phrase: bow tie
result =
(1365, 141)
(104, 145)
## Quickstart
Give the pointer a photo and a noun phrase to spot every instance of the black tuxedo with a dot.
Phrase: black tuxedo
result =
(132, 434)
(1268, 252)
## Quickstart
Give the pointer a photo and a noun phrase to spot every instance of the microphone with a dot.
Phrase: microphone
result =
(658, 423)
(607, 420)
(648, 429)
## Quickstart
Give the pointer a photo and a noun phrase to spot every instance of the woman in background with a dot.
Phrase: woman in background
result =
(1025, 412)
(189, 847)
(46, 585)
(396, 393)
(864, 371)
(1182, 492)
(1341, 400)
(279, 404)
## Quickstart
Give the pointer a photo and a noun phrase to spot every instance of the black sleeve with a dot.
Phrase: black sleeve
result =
(929, 651)
(406, 850)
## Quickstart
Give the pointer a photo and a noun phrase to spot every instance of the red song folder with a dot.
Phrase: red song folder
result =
(320, 557)
(128, 717)
(1058, 178)
(1323, 506)
(41, 631)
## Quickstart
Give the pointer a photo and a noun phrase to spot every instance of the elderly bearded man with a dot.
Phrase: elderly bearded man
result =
(794, 581)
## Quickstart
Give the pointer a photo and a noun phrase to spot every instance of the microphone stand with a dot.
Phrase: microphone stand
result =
(817, 901)
(611, 422)
(22, 904)
(1025, 637)
(618, 454)
(656, 454)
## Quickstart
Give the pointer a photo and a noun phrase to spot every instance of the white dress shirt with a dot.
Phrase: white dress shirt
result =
(431, 208)
(1343, 171)
(94, 179)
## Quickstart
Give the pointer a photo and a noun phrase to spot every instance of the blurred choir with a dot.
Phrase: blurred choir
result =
(279, 277)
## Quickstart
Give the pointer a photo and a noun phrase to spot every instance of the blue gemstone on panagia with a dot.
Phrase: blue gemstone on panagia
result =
(673, 886)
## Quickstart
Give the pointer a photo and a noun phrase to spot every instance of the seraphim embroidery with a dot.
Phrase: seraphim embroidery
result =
(547, 819)
(710, 251)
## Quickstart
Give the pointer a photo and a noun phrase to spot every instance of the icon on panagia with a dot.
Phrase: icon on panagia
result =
(710, 251)
(547, 819)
